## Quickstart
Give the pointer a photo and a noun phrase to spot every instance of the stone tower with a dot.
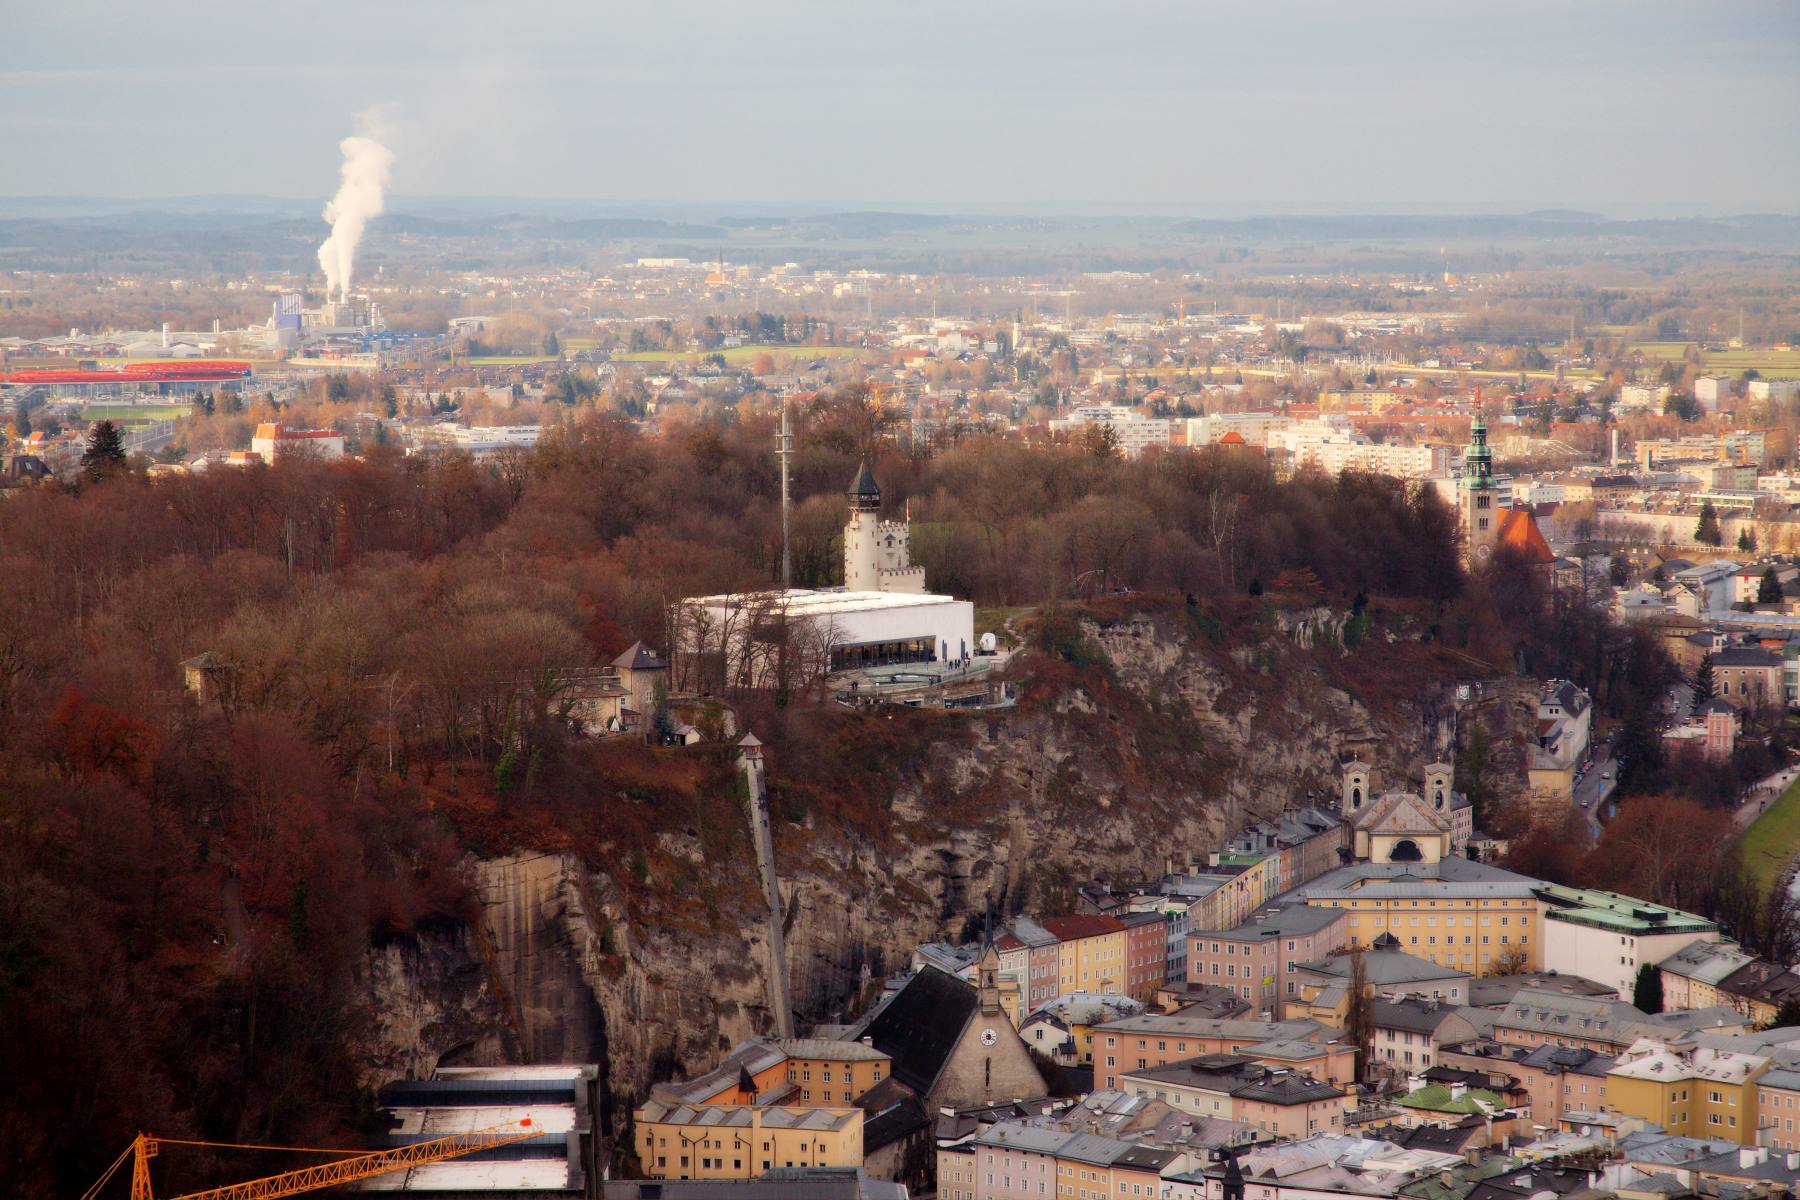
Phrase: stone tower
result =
(877, 553)
(1478, 512)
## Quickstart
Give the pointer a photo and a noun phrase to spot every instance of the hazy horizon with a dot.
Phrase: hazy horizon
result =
(1657, 107)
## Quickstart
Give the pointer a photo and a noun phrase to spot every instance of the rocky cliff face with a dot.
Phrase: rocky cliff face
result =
(1160, 751)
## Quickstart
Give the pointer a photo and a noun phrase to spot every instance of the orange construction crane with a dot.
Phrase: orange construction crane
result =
(356, 1165)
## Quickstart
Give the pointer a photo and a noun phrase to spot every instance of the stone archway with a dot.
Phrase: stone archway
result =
(1406, 850)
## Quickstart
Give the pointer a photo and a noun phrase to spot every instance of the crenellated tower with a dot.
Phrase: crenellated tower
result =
(877, 553)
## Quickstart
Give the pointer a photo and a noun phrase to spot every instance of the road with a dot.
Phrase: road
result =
(1595, 787)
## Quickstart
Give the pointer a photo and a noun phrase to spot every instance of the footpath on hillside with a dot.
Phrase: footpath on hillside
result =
(1773, 836)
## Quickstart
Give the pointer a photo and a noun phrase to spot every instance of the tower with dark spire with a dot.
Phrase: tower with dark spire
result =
(877, 553)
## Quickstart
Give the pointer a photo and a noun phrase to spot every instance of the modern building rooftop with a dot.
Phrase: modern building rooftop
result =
(1622, 914)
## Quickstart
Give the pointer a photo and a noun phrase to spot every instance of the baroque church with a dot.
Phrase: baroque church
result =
(1402, 826)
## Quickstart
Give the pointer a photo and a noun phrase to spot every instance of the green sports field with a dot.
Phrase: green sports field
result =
(1774, 838)
(1770, 364)
(135, 412)
(736, 356)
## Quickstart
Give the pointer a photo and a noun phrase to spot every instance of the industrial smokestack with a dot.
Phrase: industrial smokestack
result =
(362, 180)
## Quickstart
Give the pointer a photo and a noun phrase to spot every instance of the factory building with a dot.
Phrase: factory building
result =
(562, 1163)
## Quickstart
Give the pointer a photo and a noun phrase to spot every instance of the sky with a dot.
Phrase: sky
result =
(1629, 107)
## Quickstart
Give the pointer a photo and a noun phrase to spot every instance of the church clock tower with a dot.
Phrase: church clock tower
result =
(1479, 511)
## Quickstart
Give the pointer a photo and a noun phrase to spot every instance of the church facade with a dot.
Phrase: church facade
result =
(1405, 827)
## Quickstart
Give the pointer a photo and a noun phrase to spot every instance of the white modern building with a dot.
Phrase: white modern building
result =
(847, 630)
(1606, 937)
(479, 441)
(1135, 433)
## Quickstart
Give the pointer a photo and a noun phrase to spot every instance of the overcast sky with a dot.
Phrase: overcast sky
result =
(1626, 106)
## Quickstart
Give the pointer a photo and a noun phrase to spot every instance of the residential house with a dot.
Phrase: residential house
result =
(1699, 1092)
(1259, 958)
(1153, 1040)
(1090, 953)
(1410, 1033)
(1749, 676)
(1388, 972)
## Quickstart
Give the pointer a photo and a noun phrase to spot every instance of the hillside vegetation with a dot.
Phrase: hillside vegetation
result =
(187, 890)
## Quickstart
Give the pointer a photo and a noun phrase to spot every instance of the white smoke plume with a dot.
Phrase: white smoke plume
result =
(363, 179)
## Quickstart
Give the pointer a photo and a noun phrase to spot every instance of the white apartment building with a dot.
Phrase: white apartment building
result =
(1712, 391)
(1642, 395)
(1772, 389)
(1253, 427)
(1405, 462)
(1134, 432)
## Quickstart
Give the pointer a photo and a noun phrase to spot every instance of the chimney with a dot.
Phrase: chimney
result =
(165, 337)
(868, 1041)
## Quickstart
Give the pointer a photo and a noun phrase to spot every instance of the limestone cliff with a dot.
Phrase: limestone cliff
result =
(1159, 743)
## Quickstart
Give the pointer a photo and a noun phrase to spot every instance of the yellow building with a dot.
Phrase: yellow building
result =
(742, 1141)
(1700, 1093)
(1478, 927)
(832, 1072)
(1090, 954)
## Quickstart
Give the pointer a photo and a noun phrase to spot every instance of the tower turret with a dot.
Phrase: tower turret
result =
(877, 553)
(864, 493)
(1478, 510)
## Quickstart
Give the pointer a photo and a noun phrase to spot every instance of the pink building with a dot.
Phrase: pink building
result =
(1017, 1162)
(1258, 958)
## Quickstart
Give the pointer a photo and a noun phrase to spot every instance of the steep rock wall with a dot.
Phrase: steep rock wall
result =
(1161, 756)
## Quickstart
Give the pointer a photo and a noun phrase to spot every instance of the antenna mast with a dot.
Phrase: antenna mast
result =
(784, 449)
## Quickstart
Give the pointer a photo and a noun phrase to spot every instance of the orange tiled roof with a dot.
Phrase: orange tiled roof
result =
(1519, 532)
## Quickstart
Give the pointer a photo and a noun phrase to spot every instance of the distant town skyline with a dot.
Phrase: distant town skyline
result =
(1624, 108)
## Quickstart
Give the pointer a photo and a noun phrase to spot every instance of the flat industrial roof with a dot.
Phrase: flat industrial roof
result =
(438, 1122)
(508, 1175)
(801, 602)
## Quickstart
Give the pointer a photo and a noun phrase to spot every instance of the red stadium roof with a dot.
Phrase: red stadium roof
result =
(148, 372)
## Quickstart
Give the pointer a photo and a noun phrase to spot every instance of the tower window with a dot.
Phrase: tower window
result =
(1481, 501)
(1481, 524)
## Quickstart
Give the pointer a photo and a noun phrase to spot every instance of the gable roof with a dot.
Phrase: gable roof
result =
(1400, 813)
(1519, 532)
(639, 657)
(920, 1026)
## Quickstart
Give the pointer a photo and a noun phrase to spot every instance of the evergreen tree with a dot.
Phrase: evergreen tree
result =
(105, 451)
(390, 401)
(1747, 540)
(1787, 1015)
(1359, 1016)
(1769, 590)
(1647, 992)
(1472, 776)
(1707, 531)
(24, 422)
(1704, 687)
